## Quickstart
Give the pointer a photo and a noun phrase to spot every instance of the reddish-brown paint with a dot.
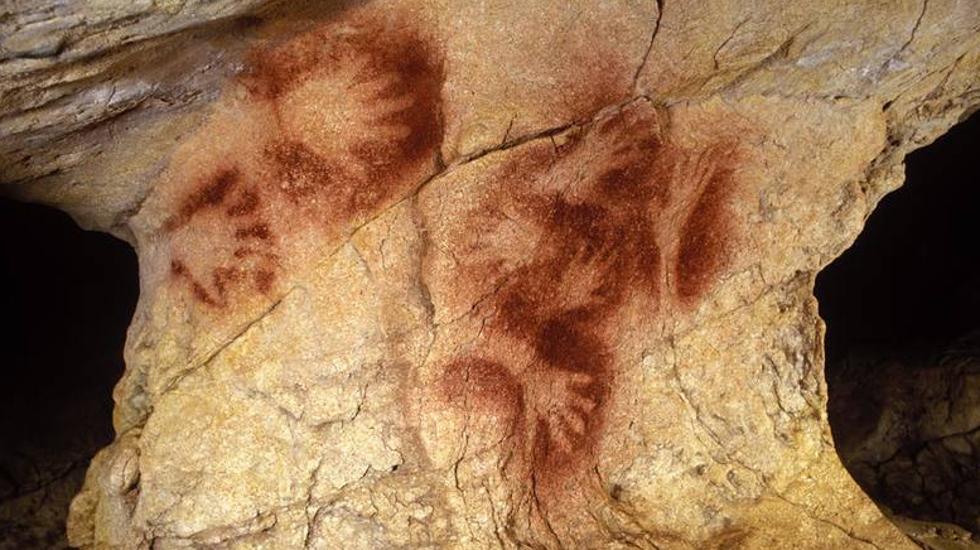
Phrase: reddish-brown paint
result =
(705, 238)
(392, 66)
(641, 221)
(208, 194)
(227, 195)
(635, 228)
(394, 75)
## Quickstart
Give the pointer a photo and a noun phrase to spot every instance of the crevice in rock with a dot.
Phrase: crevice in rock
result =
(210, 356)
(69, 296)
(835, 526)
(646, 54)
(902, 307)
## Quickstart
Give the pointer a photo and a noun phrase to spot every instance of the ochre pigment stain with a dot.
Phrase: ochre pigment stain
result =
(254, 260)
(385, 78)
(639, 221)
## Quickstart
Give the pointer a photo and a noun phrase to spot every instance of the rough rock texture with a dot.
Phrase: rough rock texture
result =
(37, 488)
(914, 444)
(477, 274)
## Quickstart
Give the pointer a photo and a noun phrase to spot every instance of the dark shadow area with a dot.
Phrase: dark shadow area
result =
(69, 295)
(912, 278)
(902, 308)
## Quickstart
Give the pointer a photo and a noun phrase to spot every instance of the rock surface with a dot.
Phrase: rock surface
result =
(472, 274)
(914, 443)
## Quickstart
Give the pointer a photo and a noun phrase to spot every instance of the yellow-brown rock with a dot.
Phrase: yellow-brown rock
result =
(479, 274)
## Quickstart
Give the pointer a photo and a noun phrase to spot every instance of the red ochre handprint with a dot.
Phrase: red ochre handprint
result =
(357, 113)
(561, 403)
(245, 256)
(639, 225)
(341, 120)
(549, 410)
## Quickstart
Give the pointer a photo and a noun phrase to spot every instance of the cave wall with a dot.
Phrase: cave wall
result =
(465, 274)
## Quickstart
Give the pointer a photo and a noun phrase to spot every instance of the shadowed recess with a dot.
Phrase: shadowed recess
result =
(69, 295)
(902, 307)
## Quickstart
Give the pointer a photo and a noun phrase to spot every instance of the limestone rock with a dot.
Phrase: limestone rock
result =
(478, 274)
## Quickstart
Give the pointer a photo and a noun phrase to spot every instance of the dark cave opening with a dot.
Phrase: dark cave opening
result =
(902, 308)
(69, 296)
